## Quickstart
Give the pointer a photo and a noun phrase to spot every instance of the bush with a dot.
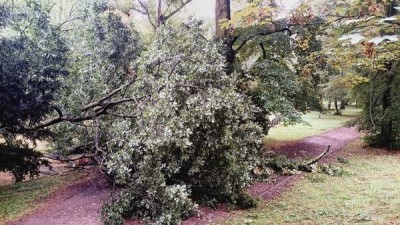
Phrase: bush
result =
(20, 162)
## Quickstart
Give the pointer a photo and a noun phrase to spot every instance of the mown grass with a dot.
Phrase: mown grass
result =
(369, 193)
(20, 198)
(315, 124)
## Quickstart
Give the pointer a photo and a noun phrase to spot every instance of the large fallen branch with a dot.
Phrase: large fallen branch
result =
(307, 167)
(322, 155)
(59, 158)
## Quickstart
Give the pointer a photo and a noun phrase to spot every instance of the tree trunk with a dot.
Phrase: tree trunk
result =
(223, 11)
(329, 104)
(336, 107)
(160, 17)
(343, 104)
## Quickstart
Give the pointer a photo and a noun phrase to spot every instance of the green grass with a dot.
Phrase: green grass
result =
(368, 194)
(316, 125)
(18, 199)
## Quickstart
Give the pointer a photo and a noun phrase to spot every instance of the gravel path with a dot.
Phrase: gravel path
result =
(80, 204)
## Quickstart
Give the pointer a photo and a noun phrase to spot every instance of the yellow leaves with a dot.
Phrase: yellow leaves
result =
(253, 13)
(350, 81)
(303, 44)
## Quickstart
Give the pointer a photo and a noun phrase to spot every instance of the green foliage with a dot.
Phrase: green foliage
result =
(32, 60)
(160, 204)
(367, 50)
(20, 162)
(375, 118)
(103, 52)
(273, 87)
(192, 133)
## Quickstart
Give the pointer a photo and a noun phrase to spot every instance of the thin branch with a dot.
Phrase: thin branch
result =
(319, 157)
(96, 140)
(100, 102)
(146, 12)
(183, 4)
(263, 50)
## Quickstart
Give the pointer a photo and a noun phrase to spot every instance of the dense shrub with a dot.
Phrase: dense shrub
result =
(20, 162)
(32, 60)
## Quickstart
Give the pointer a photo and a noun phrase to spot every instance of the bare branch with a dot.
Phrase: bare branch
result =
(277, 27)
(101, 101)
(263, 50)
(319, 157)
(183, 4)
(146, 12)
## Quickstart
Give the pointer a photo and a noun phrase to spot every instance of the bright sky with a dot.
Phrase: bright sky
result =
(204, 9)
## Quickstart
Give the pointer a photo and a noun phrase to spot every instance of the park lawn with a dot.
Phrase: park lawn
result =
(367, 193)
(21, 198)
(314, 125)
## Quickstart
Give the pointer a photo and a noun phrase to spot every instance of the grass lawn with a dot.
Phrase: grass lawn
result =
(315, 125)
(369, 193)
(18, 199)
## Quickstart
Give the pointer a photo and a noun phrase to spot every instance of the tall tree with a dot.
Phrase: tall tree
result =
(375, 59)
(32, 61)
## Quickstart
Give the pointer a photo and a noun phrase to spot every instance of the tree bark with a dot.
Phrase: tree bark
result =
(223, 12)
(336, 107)
(343, 104)
(160, 16)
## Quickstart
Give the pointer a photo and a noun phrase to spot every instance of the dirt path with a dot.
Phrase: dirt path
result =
(307, 148)
(80, 204)
(76, 204)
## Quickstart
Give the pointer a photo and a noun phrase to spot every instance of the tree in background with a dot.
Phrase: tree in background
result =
(367, 47)
(32, 62)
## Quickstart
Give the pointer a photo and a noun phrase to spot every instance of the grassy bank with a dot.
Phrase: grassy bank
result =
(368, 193)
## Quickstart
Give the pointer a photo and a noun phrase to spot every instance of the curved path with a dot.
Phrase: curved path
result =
(80, 204)
(306, 148)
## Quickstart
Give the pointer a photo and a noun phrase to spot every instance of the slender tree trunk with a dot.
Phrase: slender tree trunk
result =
(343, 104)
(329, 104)
(336, 107)
(160, 19)
(222, 11)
